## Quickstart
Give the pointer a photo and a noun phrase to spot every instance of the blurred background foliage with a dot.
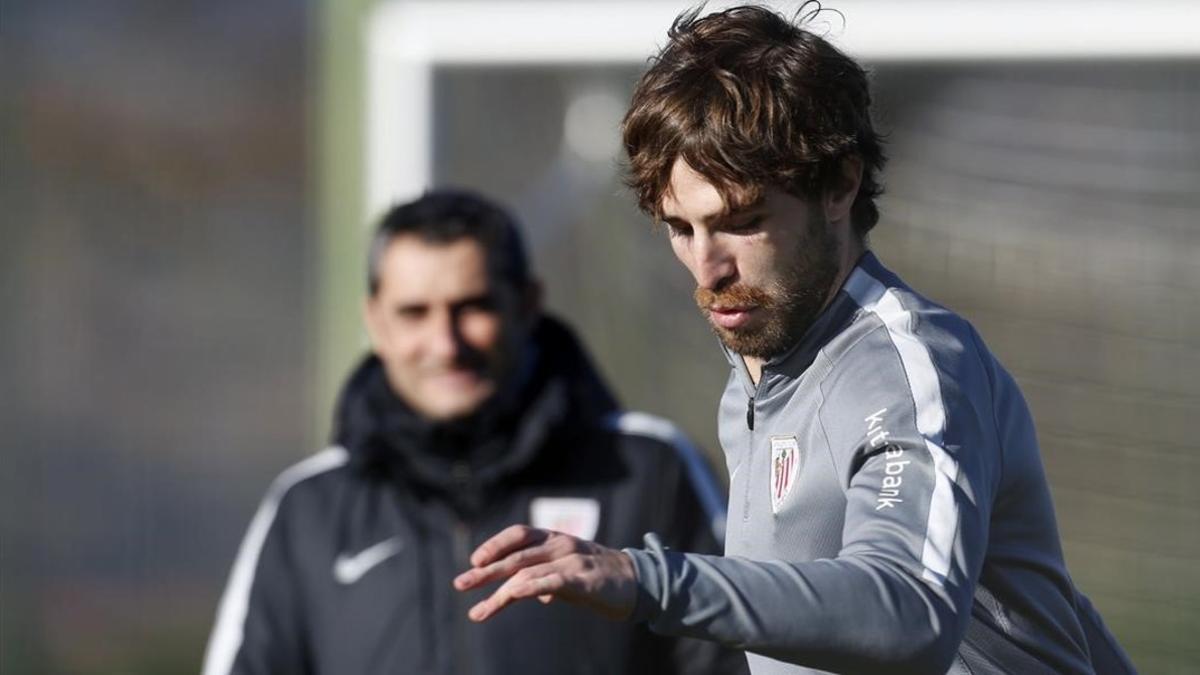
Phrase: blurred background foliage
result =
(181, 268)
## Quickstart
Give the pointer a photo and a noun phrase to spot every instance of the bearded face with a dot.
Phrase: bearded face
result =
(763, 271)
(782, 300)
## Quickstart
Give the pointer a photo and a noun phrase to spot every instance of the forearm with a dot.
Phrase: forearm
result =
(855, 614)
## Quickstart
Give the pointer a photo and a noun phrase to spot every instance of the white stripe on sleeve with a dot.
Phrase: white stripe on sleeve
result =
(926, 392)
(227, 634)
(703, 482)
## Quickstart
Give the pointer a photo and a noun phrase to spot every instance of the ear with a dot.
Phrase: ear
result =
(373, 319)
(840, 197)
(531, 303)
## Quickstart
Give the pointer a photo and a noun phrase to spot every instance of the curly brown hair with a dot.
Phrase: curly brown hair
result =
(750, 99)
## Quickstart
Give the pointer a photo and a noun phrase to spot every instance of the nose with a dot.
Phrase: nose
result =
(712, 266)
(445, 342)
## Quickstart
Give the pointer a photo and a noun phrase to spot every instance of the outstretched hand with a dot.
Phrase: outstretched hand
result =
(548, 565)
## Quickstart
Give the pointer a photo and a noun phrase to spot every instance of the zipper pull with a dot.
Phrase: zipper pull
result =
(750, 414)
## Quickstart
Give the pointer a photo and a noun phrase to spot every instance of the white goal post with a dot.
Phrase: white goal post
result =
(407, 39)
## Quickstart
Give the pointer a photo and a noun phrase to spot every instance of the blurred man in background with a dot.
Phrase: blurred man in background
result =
(889, 510)
(476, 410)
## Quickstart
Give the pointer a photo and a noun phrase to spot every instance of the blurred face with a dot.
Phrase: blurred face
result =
(763, 273)
(448, 335)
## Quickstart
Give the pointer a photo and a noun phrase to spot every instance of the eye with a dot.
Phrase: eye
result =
(410, 312)
(747, 225)
(485, 303)
(678, 230)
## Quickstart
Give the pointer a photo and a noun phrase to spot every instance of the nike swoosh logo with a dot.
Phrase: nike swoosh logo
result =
(348, 569)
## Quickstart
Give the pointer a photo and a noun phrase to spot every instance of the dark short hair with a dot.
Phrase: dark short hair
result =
(750, 99)
(445, 216)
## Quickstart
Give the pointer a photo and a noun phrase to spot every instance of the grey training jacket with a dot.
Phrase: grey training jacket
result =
(888, 509)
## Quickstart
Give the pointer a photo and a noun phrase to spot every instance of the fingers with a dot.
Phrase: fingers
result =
(512, 550)
(506, 541)
(505, 567)
(550, 565)
(601, 579)
(541, 581)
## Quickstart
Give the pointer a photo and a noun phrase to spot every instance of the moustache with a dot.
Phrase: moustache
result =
(735, 295)
(465, 359)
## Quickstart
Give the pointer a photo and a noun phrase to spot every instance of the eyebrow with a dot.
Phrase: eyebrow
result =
(406, 305)
(719, 217)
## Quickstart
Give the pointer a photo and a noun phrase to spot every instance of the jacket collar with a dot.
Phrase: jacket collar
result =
(558, 393)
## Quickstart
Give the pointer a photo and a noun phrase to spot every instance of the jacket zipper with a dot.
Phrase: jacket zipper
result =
(749, 459)
(462, 652)
(461, 557)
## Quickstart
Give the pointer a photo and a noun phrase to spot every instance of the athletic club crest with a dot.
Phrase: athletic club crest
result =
(785, 463)
(577, 516)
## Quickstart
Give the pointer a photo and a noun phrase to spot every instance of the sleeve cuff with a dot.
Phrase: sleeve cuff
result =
(649, 566)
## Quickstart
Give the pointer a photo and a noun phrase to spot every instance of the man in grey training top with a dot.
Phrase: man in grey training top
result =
(888, 508)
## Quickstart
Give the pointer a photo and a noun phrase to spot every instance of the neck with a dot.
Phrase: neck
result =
(754, 366)
(849, 258)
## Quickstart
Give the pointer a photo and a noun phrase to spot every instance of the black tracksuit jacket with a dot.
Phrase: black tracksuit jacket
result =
(347, 565)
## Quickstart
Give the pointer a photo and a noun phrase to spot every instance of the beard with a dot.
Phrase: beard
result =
(790, 305)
